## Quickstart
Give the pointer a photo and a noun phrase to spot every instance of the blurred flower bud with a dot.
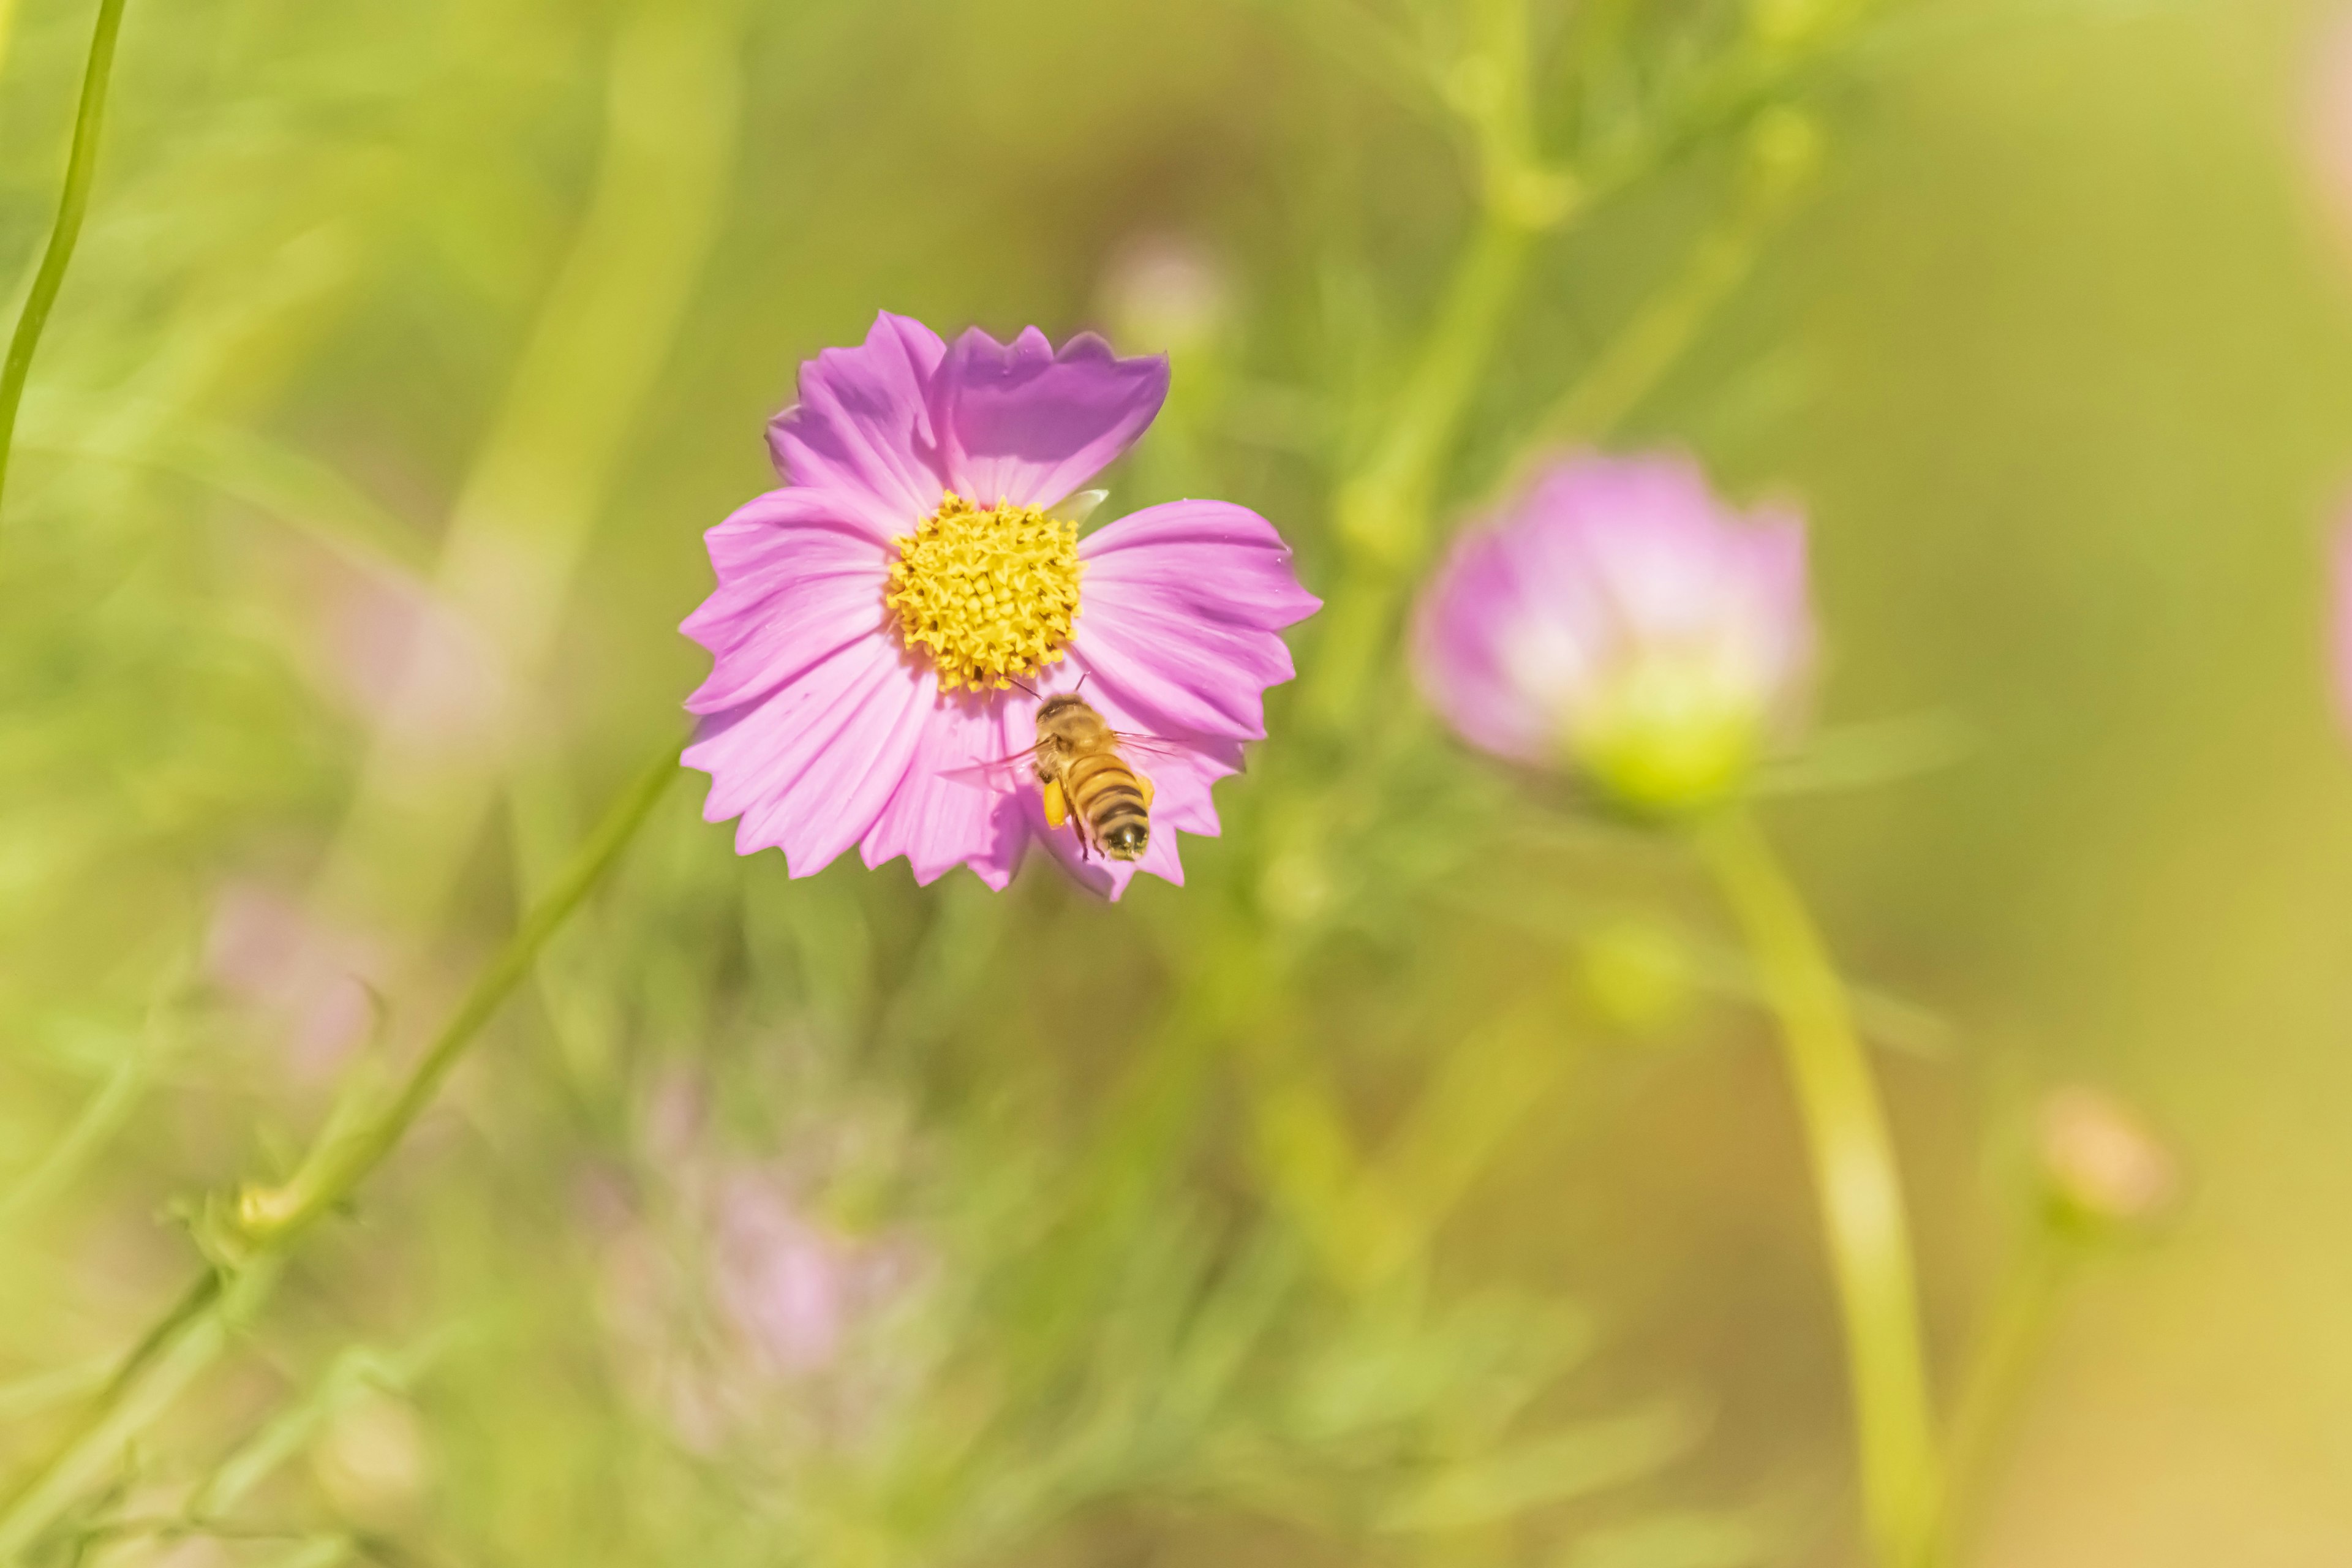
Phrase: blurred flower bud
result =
(373, 1458)
(1297, 886)
(2102, 1168)
(1784, 149)
(1636, 974)
(1787, 23)
(1167, 293)
(1617, 621)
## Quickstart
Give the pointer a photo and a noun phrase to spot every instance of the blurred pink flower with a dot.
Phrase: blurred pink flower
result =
(787, 1284)
(1168, 289)
(1616, 619)
(872, 616)
(739, 1312)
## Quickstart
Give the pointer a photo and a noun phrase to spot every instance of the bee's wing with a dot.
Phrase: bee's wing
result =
(1164, 745)
(998, 773)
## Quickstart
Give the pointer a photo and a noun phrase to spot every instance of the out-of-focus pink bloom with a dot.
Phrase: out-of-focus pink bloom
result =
(787, 1284)
(306, 979)
(873, 617)
(1168, 291)
(740, 1313)
(1617, 620)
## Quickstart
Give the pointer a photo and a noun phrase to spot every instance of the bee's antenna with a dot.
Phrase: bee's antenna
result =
(1081, 685)
(1030, 689)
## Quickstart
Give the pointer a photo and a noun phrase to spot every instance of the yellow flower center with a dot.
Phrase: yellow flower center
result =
(989, 595)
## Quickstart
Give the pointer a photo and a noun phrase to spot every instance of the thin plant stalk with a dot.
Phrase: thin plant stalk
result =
(252, 1245)
(1997, 1371)
(1382, 512)
(1857, 1187)
(81, 171)
(1780, 154)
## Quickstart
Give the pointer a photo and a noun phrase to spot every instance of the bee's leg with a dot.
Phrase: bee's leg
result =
(1058, 805)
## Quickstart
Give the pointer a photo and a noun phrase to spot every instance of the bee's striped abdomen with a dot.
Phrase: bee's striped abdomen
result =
(1107, 795)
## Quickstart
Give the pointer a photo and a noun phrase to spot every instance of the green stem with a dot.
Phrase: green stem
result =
(1382, 512)
(81, 169)
(170, 1356)
(1997, 1370)
(196, 1329)
(107, 1109)
(1859, 1192)
(1383, 509)
(8, 29)
(332, 1170)
(1662, 331)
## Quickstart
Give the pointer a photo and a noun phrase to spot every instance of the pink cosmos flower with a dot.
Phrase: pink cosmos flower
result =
(1618, 620)
(886, 625)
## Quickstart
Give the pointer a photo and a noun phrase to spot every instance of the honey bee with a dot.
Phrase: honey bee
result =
(1088, 783)
(1081, 767)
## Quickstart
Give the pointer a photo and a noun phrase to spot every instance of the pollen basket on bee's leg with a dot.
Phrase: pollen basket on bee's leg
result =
(989, 595)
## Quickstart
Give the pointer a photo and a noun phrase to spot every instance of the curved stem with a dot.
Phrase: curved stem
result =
(1856, 1184)
(191, 1335)
(2015, 1330)
(81, 169)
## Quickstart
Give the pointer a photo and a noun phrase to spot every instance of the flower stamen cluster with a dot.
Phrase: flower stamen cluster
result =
(989, 594)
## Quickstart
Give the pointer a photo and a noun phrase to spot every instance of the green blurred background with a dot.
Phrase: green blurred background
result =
(2055, 348)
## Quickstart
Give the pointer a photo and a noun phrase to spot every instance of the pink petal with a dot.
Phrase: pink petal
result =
(936, 821)
(1207, 559)
(795, 586)
(1465, 618)
(1181, 679)
(864, 425)
(1024, 426)
(852, 776)
(1179, 608)
(739, 748)
(809, 767)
